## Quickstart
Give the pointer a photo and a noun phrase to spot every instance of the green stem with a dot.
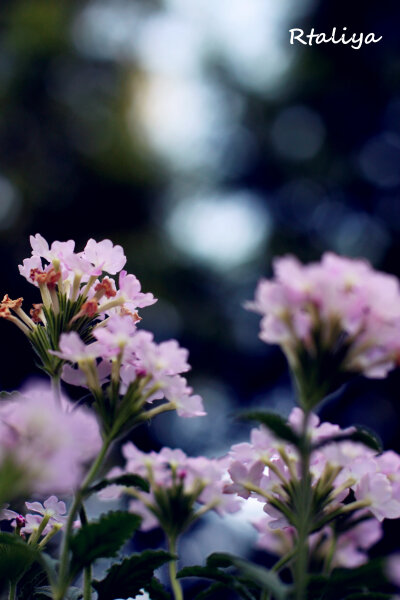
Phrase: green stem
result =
(303, 514)
(87, 583)
(176, 586)
(87, 571)
(56, 389)
(331, 553)
(12, 594)
(64, 555)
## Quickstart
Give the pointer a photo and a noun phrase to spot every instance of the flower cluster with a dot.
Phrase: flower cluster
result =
(76, 290)
(49, 441)
(339, 314)
(43, 519)
(136, 370)
(178, 484)
(85, 330)
(353, 488)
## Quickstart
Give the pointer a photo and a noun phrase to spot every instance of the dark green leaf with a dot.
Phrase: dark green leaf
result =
(127, 480)
(220, 559)
(206, 572)
(126, 579)
(343, 582)
(156, 590)
(16, 556)
(227, 579)
(361, 434)
(263, 578)
(274, 423)
(214, 588)
(103, 538)
(34, 577)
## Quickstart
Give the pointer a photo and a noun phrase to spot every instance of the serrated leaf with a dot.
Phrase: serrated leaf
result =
(207, 572)
(16, 556)
(126, 579)
(127, 480)
(214, 574)
(220, 559)
(361, 434)
(263, 578)
(102, 539)
(214, 588)
(343, 582)
(274, 423)
(156, 590)
(34, 577)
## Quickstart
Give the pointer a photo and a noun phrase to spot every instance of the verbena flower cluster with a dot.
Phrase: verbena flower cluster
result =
(48, 440)
(346, 479)
(323, 491)
(339, 314)
(179, 485)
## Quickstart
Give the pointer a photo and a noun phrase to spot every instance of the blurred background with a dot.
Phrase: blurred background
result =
(192, 133)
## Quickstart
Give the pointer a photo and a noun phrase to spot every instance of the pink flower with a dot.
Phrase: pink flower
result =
(29, 265)
(377, 489)
(243, 477)
(167, 358)
(52, 443)
(118, 334)
(342, 302)
(170, 473)
(73, 349)
(75, 376)
(59, 251)
(130, 291)
(52, 507)
(104, 256)
(179, 393)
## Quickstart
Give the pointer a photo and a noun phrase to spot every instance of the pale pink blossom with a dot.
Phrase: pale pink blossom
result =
(130, 291)
(73, 349)
(104, 256)
(199, 479)
(341, 302)
(59, 251)
(52, 507)
(244, 477)
(52, 443)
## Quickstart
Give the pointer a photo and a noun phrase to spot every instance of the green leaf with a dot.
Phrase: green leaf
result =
(227, 579)
(214, 588)
(126, 579)
(343, 582)
(102, 539)
(263, 578)
(220, 559)
(274, 423)
(16, 556)
(127, 480)
(156, 590)
(362, 434)
(34, 577)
